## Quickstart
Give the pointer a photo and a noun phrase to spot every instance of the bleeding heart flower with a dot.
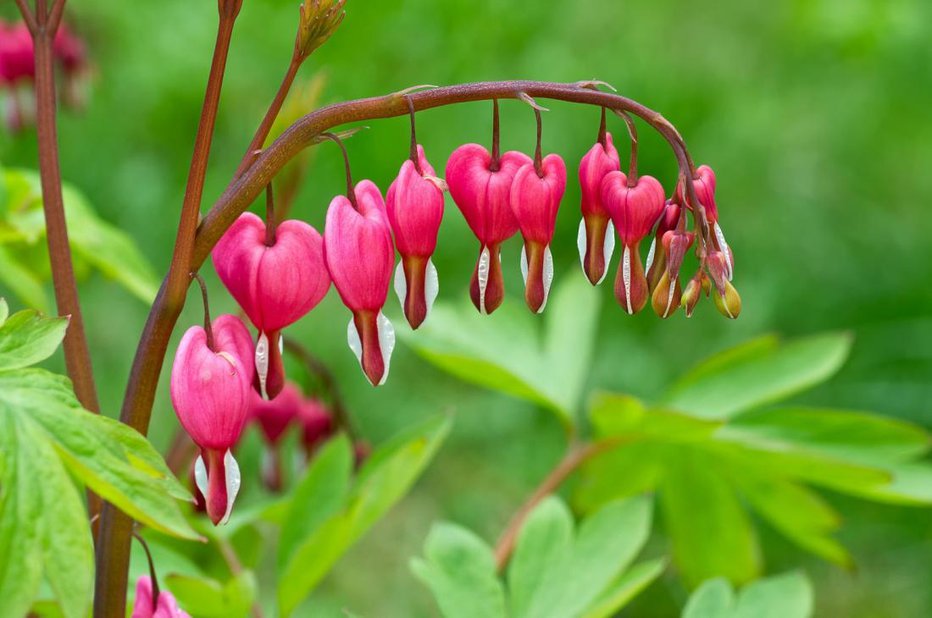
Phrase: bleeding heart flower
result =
(274, 417)
(666, 295)
(163, 605)
(656, 262)
(726, 297)
(316, 424)
(634, 211)
(360, 256)
(704, 184)
(596, 240)
(276, 276)
(17, 58)
(415, 208)
(535, 199)
(481, 189)
(210, 390)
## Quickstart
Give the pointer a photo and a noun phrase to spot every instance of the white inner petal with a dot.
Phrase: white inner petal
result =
(609, 248)
(720, 237)
(548, 276)
(581, 243)
(670, 293)
(650, 253)
(233, 481)
(401, 285)
(200, 476)
(281, 344)
(524, 264)
(262, 363)
(352, 338)
(626, 274)
(386, 342)
(485, 259)
(431, 285)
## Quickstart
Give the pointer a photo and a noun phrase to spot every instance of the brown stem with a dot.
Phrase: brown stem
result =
(602, 130)
(575, 456)
(43, 26)
(350, 191)
(318, 368)
(633, 135)
(262, 132)
(152, 575)
(147, 364)
(208, 329)
(271, 223)
(413, 155)
(496, 134)
(115, 527)
(28, 17)
(538, 152)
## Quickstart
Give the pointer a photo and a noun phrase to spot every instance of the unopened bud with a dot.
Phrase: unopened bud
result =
(319, 19)
(728, 303)
(666, 297)
(692, 294)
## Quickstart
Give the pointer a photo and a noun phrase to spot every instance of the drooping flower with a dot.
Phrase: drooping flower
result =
(726, 297)
(596, 240)
(316, 424)
(360, 256)
(656, 262)
(146, 605)
(704, 185)
(415, 208)
(481, 188)
(666, 296)
(634, 210)
(210, 390)
(535, 198)
(273, 418)
(17, 58)
(276, 274)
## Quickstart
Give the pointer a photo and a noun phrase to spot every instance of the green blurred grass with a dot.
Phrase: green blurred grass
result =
(814, 114)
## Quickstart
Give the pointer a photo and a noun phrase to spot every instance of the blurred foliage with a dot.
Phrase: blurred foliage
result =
(814, 114)
(781, 596)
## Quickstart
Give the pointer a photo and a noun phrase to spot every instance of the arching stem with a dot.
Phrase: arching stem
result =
(414, 158)
(208, 329)
(350, 191)
(633, 135)
(495, 165)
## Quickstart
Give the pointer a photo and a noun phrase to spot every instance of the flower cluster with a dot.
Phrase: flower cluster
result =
(18, 71)
(278, 271)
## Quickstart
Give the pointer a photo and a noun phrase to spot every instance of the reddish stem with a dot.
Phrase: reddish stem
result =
(271, 223)
(496, 134)
(413, 155)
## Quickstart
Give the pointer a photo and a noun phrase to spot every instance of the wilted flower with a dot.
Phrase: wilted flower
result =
(596, 240)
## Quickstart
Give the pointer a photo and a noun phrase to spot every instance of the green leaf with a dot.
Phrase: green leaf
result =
(628, 470)
(801, 515)
(21, 281)
(606, 543)
(28, 337)
(614, 415)
(625, 588)
(459, 568)
(43, 529)
(508, 353)
(760, 374)
(384, 479)
(715, 598)
(709, 529)
(4, 311)
(208, 598)
(546, 538)
(111, 458)
(782, 596)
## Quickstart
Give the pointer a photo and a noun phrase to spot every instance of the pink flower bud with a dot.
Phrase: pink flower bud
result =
(210, 390)
(634, 211)
(657, 255)
(316, 424)
(275, 280)
(17, 58)
(596, 240)
(360, 256)
(482, 191)
(726, 297)
(274, 417)
(415, 208)
(145, 606)
(704, 185)
(535, 200)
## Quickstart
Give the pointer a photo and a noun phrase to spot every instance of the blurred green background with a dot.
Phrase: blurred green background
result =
(814, 114)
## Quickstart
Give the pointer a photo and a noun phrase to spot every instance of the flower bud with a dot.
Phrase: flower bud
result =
(481, 189)
(210, 391)
(276, 277)
(634, 211)
(666, 297)
(415, 208)
(360, 256)
(692, 293)
(146, 605)
(657, 255)
(596, 240)
(535, 200)
(704, 185)
(319, 19)
(728, 302)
